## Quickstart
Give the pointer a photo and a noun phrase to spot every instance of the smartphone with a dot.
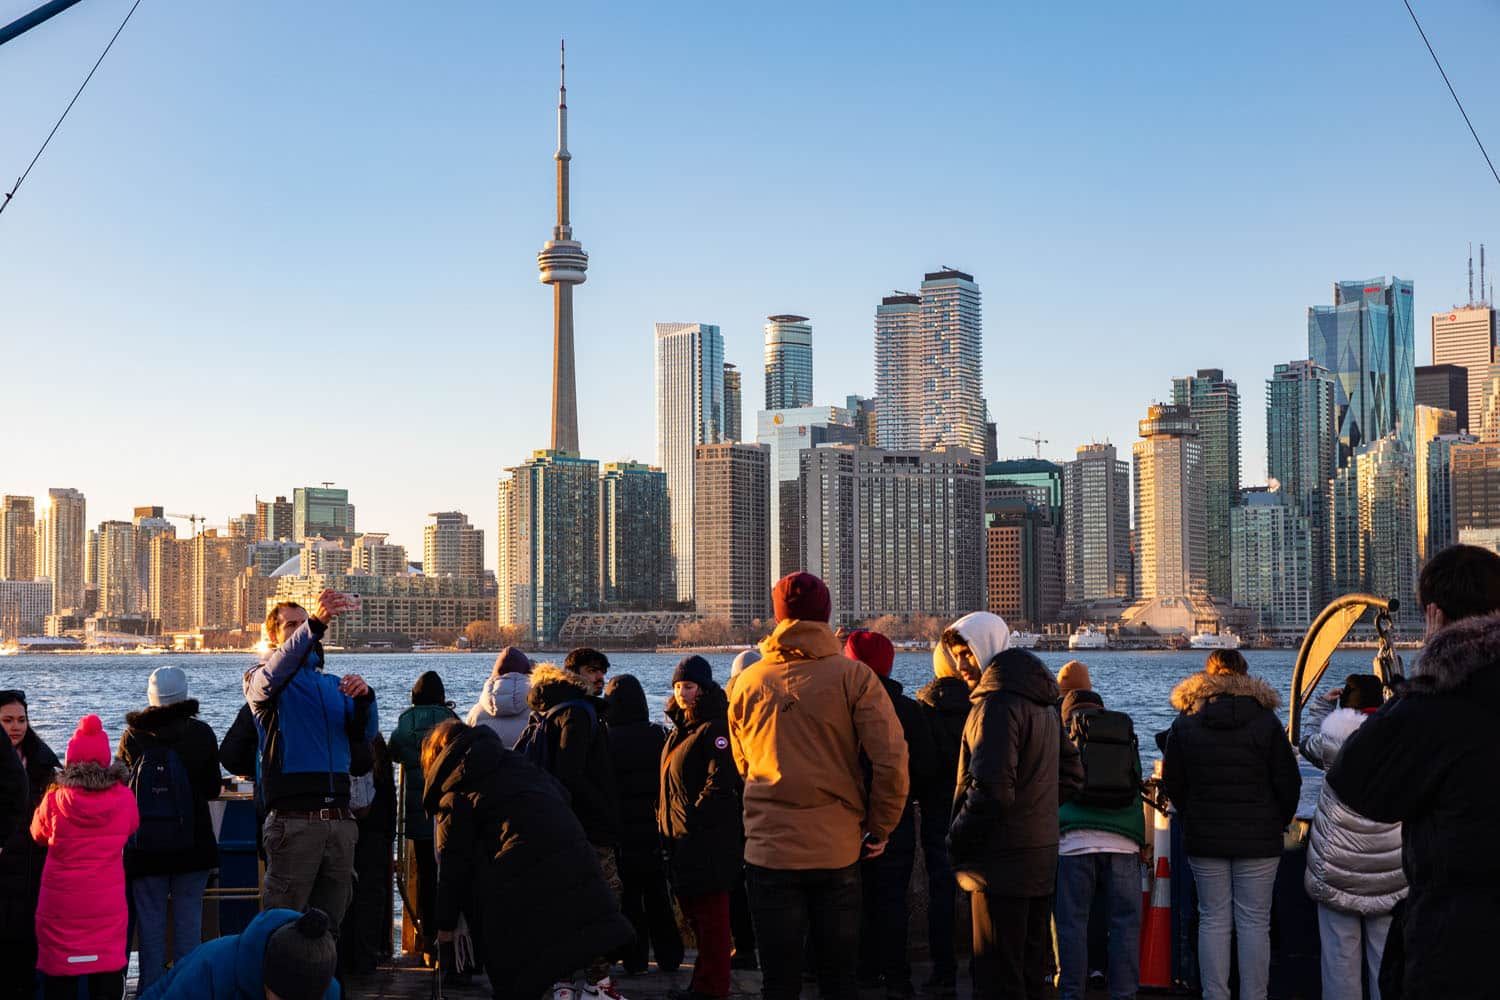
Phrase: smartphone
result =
(350, 600)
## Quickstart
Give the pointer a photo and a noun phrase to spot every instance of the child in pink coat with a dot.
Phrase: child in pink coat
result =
(84, 820)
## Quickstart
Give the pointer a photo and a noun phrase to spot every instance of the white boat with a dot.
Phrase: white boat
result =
(1215, 640)
(1088, 637)
(1024, 640)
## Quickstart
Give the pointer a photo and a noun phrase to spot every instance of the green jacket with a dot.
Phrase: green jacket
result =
(406, 748)
(1127, 822)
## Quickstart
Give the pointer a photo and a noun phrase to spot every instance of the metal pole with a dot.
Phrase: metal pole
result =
(26, 22)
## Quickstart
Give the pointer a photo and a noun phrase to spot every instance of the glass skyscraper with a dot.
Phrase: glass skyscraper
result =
(322, 512)
(1365, 339)
(689, 412)
(787, 433)
(1215, 403)
(1302, 456)
(789, 362)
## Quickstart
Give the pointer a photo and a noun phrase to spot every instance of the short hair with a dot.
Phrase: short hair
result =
(437, 741)
(1227, 661)
(1462, 581)
(586, 656)
(273, 617)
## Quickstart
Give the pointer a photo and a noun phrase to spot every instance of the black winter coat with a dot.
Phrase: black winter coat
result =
(21, 858)
(1015, 769)
(1229, 768)
(921, 749)
(239, 751)
(508, 844)
(582, 759)
(1428, 760)
(636, 743)
(700, 814)
(178, 727)
(945, 703)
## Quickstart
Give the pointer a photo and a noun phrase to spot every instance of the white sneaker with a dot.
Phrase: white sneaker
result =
(564, 991)
(604, 988)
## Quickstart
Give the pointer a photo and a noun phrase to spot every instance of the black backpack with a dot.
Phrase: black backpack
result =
(1111, 758)
(538, 743)
(164, 799)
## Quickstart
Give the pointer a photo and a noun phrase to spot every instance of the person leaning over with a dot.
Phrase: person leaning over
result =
(306, 720)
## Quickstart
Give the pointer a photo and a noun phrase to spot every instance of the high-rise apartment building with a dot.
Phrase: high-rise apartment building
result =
(902, 354)
(61, 546)
(953, 412)
(451, 546)
(1302, 455)
(895, 532)
(1096, 519)
(1023, 580)
(1435, 510)
(1171, 535)
(373, 555)
(1485, 421)
(635, 537)
(18, 538)
(149, 522)
(1214, 403)
(171, 597)
(1446, 387)
(1373, 525)
(414, 605)
(1432, 423)
(732, 553)
(789, 362)
(1272, 566)
(218, 561)
(549, 541)
(1465, 338)
(322, 512)
(118, 571)
(785, 433)
(91, 560)
(689, 412)
(24, 607)
(274, 520)
(1365, 340)
(732, 403)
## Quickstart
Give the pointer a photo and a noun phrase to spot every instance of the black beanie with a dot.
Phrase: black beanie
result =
(428, 690)
(300, 958)
(1362, 691)
(695, 669)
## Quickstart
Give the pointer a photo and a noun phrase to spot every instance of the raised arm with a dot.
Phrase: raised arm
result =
(264, 681)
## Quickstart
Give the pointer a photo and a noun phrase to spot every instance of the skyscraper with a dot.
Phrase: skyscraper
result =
(732, 403)
(563, 264)
(1446, 387)
(901, 358)
(1438, 528)
(1214, 403)
(1432, 423)
(953, 413)
(635, 537)
(1365, 340)
(17, 538)
(149, 523)
(1476, 485)
(218, 562)
(1023, 580)
(322, 512)
(1170, 504)
(62, 545)
(689, 412)
(451, 546)
(732, 552)
(1465, 338)
(117, 568)
(1302, 456)
(273, 520)
(1373, 525)
(865, 413)
(1096, 533)
(1271, 570)
(549, 542)
(171, 598)
(786, 433)
(789, 362)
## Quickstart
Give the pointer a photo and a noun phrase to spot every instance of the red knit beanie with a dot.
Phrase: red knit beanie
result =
(872, 649)
(89, 743)
(801, 596)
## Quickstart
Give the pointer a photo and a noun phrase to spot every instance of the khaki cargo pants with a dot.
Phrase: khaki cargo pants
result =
(309, 862)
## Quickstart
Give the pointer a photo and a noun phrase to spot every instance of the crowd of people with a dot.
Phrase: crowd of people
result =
(556, 831)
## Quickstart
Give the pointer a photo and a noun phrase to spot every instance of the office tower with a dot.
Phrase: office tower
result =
(1485, 420)
(1023, 581)
(689, 412)
(1432, 423)
(635, 537)
(1464, 338)
(1476, 486)
(61, 546)
(563, 264)
(1034, 479)
(1096, 518)
(1271, 572)
(17, 538)
(732, 403)
(1446, 387)
(451, 546)
(895, 532)
(953, 414)
(1373, 525)
(1365, 340)
(1214, 403)
(322, 512)
(274, 520)
(24, 607)
(786, 433)
(218, 561)
(901, 359)
(171, 599)
(1170, 505)
(549, 541)
(732, 553)
(118, 571)
(789, 362)
(1435, 522)
(864, 412)
(991, 443)
(374, 555)
(1302, 455)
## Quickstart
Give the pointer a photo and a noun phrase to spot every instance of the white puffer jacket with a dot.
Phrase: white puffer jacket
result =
(502, 706)
(1353, 863)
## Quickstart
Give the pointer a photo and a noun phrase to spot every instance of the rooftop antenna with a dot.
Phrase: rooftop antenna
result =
(1481, 270)
(1471, 274)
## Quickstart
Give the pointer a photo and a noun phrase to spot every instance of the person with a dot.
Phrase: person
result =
(884, 879)
(570, 738)
(1353, 863)
(1103, 832)
(1015, 769)
(591, 665)
(429, 706)
(636, 744)
(502, 700)
(32, 766)
(1427, 760)
(365, 936)
(282, 954)
(799, 719)
(508, 842)
(945, 703)
(741, 923)
(699, 819)
(307, 721)
(1230, 771)
(84, 820)
(173, 759)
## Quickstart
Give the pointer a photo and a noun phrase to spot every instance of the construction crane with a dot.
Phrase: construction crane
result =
(197, 520)
(1038, 440)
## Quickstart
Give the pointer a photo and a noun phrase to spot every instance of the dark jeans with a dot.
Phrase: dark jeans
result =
(741, 924)
(1077, 877)
(648, 906)
(423, 892)
(884, 914)
(366, 937)
(101, 986)
(1012, 945)
(790, 905)
(942, 889)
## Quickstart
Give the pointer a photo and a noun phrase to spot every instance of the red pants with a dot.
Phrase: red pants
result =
(708, 915)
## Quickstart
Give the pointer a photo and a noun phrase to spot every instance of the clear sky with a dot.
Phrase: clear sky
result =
(285, 242)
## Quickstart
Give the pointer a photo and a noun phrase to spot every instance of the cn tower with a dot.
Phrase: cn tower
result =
(562, 263)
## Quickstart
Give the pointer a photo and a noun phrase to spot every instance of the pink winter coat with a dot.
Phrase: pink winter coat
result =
(81, 916)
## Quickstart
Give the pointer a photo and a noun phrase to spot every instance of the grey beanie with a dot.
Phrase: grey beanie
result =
(167, 686)
(300, 958)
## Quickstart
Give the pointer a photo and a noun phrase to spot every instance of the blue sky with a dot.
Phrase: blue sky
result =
(280, 243)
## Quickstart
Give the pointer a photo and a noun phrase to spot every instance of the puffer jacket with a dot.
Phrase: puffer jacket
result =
(1353, 863)
(699, 811)
(502, 707)
(635, 744)
(945, 702)
(581, 760)
(21, 858)
(228, 968)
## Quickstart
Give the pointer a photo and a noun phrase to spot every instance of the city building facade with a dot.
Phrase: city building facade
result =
(1365, 340)
(24, 607)
(1435, 525)
(733, 403)
(786, 433)
(549, 542)
(412, 606)
(1214, 403)
(118, 577)
(635, 537)
(953, 411)
(274, 520)
(1464, 338)
(1272, 564)
(1171, 535)
(1302, 456)
(61, 540)
(451, 546)
(1373, 525)
(788, 362)
(322, 512)
(1446, 387)
(1096, 525)
(689, 412)
(732, 552)
(374, 555)
(901, 358)
(18, 538)
(1432, 423)
(218, 561)
(1023, 581)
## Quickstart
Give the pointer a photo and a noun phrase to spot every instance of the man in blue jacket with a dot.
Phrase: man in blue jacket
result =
(307, 720)
(281, 954)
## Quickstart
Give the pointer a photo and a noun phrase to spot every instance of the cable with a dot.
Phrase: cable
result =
(1452, 91)
(12, 192)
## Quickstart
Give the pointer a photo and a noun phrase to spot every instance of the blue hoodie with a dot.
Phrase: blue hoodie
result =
(227, 968)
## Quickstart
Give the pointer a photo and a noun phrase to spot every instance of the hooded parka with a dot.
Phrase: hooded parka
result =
(581, 760)
(228, 968)
(428, 708)
(635, 744)
(21, 858)
(177, 727)
(699, 811)
(502, 706)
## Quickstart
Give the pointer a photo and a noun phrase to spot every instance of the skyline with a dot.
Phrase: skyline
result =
(426, 298)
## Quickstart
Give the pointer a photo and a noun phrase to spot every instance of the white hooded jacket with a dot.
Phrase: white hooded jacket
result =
(502, 706)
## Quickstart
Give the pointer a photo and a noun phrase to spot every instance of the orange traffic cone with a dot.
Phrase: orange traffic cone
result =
(1156, 930)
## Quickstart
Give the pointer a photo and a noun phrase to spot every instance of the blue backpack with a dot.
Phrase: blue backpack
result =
(164, 799)
(538, 743)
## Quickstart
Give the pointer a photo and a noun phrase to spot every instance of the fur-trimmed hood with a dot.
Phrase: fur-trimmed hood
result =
(158, 717)
(90, 777)
(1193, 693)
(1455, 654)
(552, 685)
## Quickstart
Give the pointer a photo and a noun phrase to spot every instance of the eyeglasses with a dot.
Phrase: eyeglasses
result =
(8, 695)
